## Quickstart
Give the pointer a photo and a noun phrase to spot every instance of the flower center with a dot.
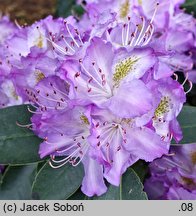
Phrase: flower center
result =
(124, 9)
(39, 42)
(127, 121)
(15, 96)
(84, 119)
(39, 75)
(163, 107)
(123, 68)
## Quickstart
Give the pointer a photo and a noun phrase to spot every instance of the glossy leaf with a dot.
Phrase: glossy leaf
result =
(187, 120)
(64, 7)
(16, 182)
(141, 168)
(18, 145)
(130, 188)
(58, 183)
(190, 6)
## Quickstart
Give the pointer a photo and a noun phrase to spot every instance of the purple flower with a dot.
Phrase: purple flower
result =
(7, 29)
(118, 143)
(173, 177)
(39, 65)
(105, 79)
(66, 134)
(164, 20)
(50, 94)
(170, 97)
(9, 96)
(102, 86)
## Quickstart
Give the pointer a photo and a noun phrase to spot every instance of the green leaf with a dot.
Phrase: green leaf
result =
(16, 182)
(141, 168)
(64, 7)
(58, 183)
(190, 6)
(130, 188)
(187, 120)
(78, 11)
(78, 195)
(18, 145)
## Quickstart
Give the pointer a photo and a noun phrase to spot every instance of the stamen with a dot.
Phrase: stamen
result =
(127, 36)
(65, 150)
(149, 26)
(139, 38)
(133, 36)
(190, 87)
(91, 75)
(149, 36)
(61, 92)
(76, 30)
(71, 34)
(81, 158)
(34, 112)
(123, 34)
(171, 154)
(67, 43)
(17, 24)
(99, 73)
(66, 158)
(154, 14)
(54, 100)
(56, 167)
(60, 49)
(176, 76)
(24, 126)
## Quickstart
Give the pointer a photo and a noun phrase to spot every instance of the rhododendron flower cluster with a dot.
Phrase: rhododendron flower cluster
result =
(173, 177)
(104, 88)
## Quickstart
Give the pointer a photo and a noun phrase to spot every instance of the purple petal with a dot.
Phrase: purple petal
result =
(175, 130)
(145, 144)
(134, 97)
(93, 182)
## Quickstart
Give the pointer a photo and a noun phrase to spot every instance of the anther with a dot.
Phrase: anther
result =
(90, 80)
(77, 74)
(119, 148)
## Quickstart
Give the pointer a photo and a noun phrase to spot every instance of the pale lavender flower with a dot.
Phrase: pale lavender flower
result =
(105, 79)
(66, 134)
(173, 177)
(7, 28)
(119, 142)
